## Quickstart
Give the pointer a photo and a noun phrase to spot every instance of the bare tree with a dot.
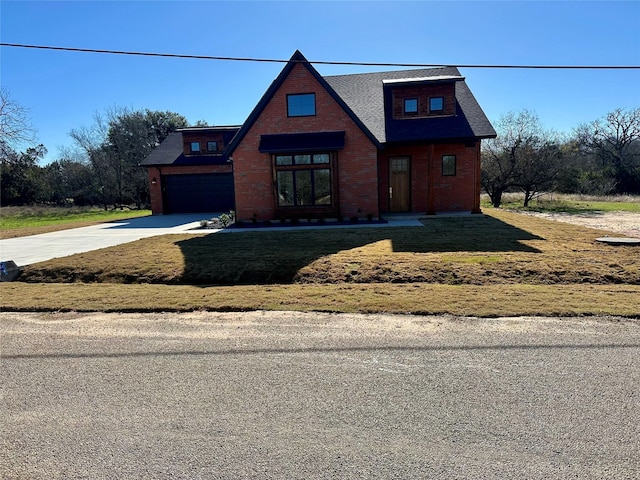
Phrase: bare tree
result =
(615, 141)
(15, 126)
(523, 156)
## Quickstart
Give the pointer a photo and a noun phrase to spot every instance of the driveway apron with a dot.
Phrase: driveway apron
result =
(38, 248)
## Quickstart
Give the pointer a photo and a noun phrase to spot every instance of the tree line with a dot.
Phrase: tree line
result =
(598, 158)
(102, 167)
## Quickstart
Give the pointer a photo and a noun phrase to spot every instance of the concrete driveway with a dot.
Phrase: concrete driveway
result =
(38, 248)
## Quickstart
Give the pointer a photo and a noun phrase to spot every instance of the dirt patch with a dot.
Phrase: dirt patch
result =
(621, 223)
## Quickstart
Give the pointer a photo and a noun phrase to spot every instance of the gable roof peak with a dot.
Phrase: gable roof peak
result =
(298, 57)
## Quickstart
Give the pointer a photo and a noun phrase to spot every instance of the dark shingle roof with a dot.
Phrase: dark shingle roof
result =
(167, 152)
(171, 150)
(364, 93)
(362, 96)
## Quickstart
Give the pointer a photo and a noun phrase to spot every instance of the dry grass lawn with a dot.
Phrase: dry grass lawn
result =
(498, 248)
(501, 263)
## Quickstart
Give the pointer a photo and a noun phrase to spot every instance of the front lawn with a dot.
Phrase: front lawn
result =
(501, 263)
(25, 221)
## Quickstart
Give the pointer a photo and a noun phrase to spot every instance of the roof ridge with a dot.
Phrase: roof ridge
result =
(390, 72)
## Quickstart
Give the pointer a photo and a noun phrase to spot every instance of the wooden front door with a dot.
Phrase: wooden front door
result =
(399, 184)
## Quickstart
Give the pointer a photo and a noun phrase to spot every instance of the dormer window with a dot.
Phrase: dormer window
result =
(212, 146)
(195, 147)
(410, 106)
(301, 105)
(436, 105)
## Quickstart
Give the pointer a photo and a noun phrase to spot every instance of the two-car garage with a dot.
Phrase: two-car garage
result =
(197, 193)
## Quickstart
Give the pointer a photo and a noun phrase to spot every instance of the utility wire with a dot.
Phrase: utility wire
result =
(321, 62)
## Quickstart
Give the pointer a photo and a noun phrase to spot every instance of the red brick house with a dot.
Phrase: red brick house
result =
(357, 145)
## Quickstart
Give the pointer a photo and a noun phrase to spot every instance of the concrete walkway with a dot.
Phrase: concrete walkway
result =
(38, 248)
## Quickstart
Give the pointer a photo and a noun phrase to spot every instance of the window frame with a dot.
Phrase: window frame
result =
(440, 110)
(212, 150)
(291, 96)
(447, 171)
(197, 150)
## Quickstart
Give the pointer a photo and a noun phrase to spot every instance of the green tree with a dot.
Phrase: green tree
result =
(117, 143)
(21, 179)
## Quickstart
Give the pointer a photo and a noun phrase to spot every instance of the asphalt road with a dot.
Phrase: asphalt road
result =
(285, 395)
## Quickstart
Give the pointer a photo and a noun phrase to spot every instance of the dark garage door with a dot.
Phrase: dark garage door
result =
(211, 192)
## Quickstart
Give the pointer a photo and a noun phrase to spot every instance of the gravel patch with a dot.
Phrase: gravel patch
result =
(622, 223)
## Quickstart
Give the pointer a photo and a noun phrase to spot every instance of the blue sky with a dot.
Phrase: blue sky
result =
(63, 90)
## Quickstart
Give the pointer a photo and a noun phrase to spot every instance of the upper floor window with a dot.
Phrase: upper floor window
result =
(301, 105)
(436, 104)
(410, 105)
(195, 147)
(212, 146)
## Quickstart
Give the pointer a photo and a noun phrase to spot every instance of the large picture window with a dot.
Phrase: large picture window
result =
(303, 180)
(301, 105)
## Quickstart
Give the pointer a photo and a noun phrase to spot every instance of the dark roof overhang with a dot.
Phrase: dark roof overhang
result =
(298, 142)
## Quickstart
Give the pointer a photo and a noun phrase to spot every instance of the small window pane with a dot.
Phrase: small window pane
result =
(322, 185)
(321, 158)
(304, 194)
(285, 188)
(212, 146)
(302, 159)
(284, 160)
(436, 104)
(195, 146)
(411, 105)
(301, 105)
(449, 165)
(399, 165)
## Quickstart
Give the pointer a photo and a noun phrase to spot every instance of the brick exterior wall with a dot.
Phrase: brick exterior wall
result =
(157, 173)
(356, 166)
(432, 192)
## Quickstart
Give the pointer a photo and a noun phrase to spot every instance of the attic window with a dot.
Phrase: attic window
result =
(436, 104)
(301, 105)
(195, 147)
(410, 105)
(212, 146)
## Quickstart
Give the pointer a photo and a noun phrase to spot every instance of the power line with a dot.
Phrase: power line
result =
(323, 62)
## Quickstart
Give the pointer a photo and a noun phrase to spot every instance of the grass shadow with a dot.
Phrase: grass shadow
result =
(263, 257)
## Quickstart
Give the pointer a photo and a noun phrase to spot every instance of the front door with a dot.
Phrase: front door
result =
(399, 184)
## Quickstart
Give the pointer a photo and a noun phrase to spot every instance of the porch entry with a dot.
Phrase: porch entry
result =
(399, 184)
